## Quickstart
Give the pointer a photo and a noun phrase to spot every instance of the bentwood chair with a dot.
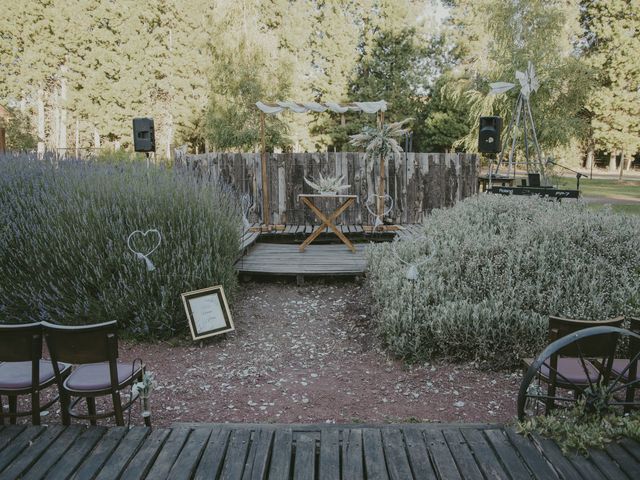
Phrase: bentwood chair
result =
(24, 372)
(93, 349)
(571, 368)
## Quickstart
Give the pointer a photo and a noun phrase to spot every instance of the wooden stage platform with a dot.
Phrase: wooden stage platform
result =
(309, 452)
(276, 252)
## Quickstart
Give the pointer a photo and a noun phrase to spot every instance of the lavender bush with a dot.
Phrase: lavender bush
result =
(63, 243)
(501, 266)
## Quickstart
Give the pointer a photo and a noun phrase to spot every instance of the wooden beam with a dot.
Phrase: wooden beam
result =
(381, 185)
(265, 184)
(3, 141)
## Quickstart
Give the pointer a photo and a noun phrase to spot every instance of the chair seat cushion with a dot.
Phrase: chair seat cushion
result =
(571, 370)
(95, 376)
(620, 364)
(17, 375)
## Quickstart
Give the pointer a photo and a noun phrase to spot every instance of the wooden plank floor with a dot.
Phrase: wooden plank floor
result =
(316, 260)
(244, 451)
(319, 259)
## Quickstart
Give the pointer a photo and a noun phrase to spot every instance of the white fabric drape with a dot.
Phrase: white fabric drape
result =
(303, 107)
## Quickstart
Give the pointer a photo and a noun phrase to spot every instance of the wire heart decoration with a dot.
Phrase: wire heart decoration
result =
(246, 204)
(412, 273)
(385, 197)
(145, 256)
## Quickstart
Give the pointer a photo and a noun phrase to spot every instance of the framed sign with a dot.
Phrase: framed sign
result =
(207, 312)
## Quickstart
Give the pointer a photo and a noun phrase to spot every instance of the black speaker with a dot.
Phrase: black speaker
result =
(144, 137)
(489, 136)
(534, 179)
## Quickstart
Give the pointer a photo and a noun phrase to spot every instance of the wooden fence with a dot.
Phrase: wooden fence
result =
(417, 182)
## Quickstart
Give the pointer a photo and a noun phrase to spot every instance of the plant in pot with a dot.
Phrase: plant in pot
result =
(327, 185)
(381, 143)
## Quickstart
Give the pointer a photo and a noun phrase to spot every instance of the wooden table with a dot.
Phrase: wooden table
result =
(484, 180)
(327, 220)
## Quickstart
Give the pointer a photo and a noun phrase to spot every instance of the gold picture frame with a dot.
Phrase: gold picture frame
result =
(207, 312)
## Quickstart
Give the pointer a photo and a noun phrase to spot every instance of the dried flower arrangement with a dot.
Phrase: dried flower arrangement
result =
(327, 185)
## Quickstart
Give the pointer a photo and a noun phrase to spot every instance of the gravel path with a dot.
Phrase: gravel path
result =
(307, 355)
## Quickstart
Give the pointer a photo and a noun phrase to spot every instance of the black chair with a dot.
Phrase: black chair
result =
(94, 351)
(24, 372)
(574, 367)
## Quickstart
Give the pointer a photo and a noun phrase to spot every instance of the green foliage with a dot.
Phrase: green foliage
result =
(244, 75)
(613, 33)
(497, 38)
(19, 133)
(502, 266)
(576, 429)
(395, 70)
(63, 248)
(447, 120)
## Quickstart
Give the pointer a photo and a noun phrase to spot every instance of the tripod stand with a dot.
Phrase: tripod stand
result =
(522, 114)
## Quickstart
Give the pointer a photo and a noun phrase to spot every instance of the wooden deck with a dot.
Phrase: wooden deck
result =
(278, 253)
(316, 260)
(403, 452)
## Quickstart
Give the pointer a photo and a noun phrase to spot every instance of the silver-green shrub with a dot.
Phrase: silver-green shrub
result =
(63, 243)
(501, 266)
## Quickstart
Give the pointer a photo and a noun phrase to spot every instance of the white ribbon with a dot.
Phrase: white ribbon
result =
(378, 222)
(303, 107)
(145, 256)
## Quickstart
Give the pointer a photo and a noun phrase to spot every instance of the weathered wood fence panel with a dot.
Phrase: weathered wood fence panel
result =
(417, 182)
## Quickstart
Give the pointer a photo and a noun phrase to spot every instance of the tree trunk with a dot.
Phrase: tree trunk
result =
(621, 164)
(62, 128)
(41, 126)
(96, 138)
(55, 122)
(612, 161)
(77, 138)
(629, 162)
(590, 157)
(169, 136)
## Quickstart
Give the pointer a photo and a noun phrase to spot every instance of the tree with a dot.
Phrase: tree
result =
(245, 68)
(19, 132)
(613, 36)
(496, 38)
(447, 118)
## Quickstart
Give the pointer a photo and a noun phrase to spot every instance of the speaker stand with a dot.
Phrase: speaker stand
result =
(522, 113)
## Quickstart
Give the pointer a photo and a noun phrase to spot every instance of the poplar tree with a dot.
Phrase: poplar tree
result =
(613, 40)
(496, 38)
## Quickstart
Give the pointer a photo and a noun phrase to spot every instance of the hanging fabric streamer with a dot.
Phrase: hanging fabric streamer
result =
(375, 198)
(247, 204)
(144, 256)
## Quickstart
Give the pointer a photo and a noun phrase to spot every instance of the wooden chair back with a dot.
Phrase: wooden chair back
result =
(20, 343)
(82, 344)
(597, 347)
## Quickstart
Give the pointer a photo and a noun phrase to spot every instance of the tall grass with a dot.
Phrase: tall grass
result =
(501, 266)
(63, 243)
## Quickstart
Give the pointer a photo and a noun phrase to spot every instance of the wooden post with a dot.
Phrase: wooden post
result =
(3, 141)
(265, 184)
(381, 185)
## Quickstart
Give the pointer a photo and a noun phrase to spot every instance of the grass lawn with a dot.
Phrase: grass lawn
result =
(625, 193)
(629, 209)
(604, 187)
